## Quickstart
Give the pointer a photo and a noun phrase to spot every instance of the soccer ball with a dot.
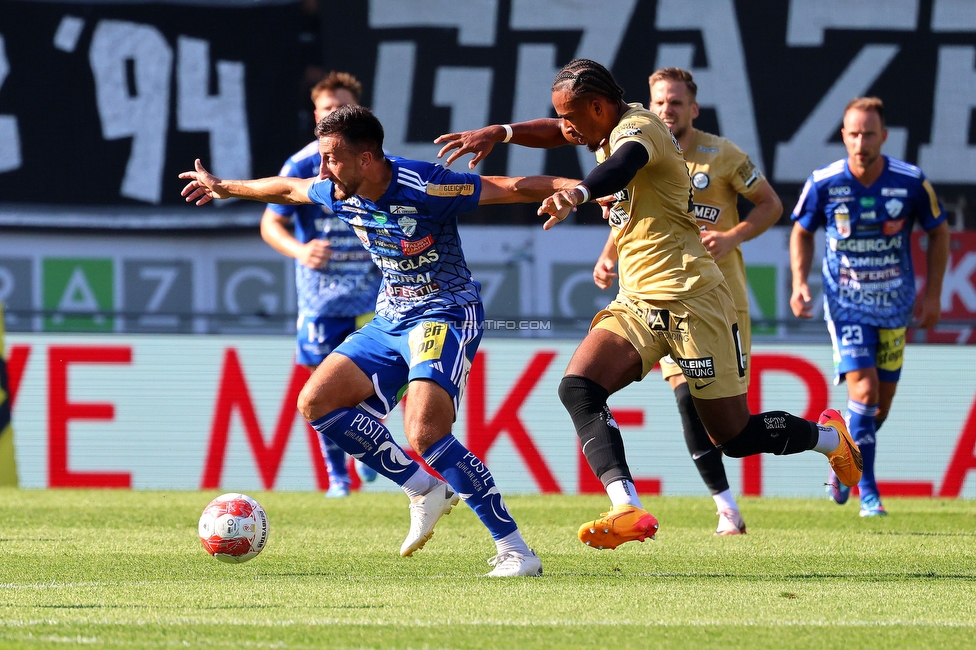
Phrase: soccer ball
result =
(233, 528)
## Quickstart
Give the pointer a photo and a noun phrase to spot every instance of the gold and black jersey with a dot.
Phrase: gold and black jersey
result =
(659, 249)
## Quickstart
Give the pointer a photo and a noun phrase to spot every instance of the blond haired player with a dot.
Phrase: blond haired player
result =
(673, 298)
(720, 171)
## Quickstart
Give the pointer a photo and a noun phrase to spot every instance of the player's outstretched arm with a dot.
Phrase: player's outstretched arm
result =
(544, 133)
(205, 187)
(928, 309)
(801, 257)
(603, 274)
(521, 189)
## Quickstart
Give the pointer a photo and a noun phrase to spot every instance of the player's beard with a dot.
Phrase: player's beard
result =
(345, 191)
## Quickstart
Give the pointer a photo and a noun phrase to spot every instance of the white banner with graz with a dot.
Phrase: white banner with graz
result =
(218, 412)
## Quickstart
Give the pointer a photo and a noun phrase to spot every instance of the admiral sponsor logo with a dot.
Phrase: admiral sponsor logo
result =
(867, 201)
(700, 180)
(403, 209)
(894, 191)
(707, 213)
(893, 206)
(707, 149)
(869, 215)
(841, 190)
(413, 292)
(877, 244)
(859, 262)
(702, 368)
(412, 248)
(893, 227)
(454, 189)
(408, 225)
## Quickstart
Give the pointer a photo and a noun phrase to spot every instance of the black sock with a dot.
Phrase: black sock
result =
(773, 432)
(707, 458)
(599, 436)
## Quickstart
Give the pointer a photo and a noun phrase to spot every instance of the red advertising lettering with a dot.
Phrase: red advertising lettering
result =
(963, 458)
(234, 394)
(482, 433)
(61, 411)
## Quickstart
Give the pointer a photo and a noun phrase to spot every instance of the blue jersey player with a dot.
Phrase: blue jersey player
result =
(428, 320)
(868, 204)
(336, 279)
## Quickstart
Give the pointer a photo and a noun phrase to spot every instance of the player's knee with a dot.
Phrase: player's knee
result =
(738, 447)
(579, 394)
(309, 405)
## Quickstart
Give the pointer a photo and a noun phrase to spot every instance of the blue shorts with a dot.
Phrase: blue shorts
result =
(317, 336)
(857, 346)
(439, 348)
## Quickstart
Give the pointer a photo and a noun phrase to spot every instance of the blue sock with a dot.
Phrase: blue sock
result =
(366, 439)
(470, 478)
(863, 432)
(335, 460)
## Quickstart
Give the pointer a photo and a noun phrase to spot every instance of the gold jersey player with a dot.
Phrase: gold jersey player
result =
(673, 298)
(720, 171)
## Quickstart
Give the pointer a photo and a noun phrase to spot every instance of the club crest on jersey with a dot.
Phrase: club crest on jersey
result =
(362, 234)
(407, 225)
(403, 209)
(842, 221)
(893, 206)
(618, 217)
(700, 180)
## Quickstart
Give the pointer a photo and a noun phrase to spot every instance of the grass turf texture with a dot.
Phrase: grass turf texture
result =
(125, 569)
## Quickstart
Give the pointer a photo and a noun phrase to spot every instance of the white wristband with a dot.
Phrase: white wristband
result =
(508, 132)
(585, 192)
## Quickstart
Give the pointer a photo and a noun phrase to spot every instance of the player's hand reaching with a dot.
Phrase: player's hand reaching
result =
(315, 254)
(719, 244)
(479, 142)
(203, 186)
(603, 272)
(800, 301)
(558, 206)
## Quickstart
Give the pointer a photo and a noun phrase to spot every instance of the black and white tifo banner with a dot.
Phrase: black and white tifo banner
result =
(773, 75)
(103, 103)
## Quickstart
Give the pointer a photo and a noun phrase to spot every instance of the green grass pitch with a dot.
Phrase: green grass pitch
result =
(125, 569)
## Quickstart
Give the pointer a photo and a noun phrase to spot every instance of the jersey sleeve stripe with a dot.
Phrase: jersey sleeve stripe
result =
(802, 199)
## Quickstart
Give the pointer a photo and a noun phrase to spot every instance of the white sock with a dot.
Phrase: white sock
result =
(420, 483)
(725, 501)
(623, 493)
(829, 440)
(512, 542)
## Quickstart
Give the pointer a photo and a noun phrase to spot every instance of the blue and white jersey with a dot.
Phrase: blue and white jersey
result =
(412, 234)
(348, 284)
(867, 269)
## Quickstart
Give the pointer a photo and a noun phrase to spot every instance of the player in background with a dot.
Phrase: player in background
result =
(673, 298)
(428, 323)
(868, 204)
(720, 171)
(336, 279)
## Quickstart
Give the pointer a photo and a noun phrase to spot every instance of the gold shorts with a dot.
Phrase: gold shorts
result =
(701, 334)
(670, 369)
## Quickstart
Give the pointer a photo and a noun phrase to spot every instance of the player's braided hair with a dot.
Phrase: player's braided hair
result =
(356, 125)
(583, 76)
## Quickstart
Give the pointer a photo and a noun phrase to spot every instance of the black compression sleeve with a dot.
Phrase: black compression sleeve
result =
(613, 174)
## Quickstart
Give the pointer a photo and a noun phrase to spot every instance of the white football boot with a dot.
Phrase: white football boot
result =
(425, 511)
(513, 563)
